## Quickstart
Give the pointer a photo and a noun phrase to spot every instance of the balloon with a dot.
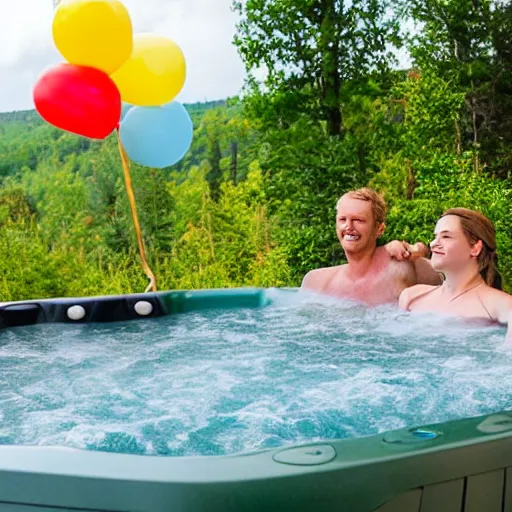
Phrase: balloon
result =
(125, 108)
(154, 74)
(157, 136)
(95, 33)
(78, 99)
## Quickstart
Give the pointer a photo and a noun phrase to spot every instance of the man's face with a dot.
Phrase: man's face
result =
(355, 225)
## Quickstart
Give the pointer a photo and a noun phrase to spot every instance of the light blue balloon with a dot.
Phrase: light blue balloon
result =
(157, 136)
(125, 108)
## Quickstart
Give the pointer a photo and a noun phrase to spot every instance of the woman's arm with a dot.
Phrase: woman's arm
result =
(403, 300)
(507, 319)
(508, 337)
(501, 304)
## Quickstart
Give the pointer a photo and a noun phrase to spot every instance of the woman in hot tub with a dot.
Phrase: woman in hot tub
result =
(464, 250)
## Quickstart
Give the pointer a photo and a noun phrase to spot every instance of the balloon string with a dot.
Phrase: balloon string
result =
(131, 197)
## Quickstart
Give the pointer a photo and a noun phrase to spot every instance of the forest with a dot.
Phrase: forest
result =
(328, 105)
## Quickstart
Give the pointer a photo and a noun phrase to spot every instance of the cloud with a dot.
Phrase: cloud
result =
(203, 28)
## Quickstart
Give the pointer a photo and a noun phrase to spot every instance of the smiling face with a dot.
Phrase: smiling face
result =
(356, 226)
(451, 249)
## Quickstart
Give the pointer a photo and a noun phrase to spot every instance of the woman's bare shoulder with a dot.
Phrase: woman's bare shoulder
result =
(496, 294)
(497, 302)
(414, 291)
(409, 294)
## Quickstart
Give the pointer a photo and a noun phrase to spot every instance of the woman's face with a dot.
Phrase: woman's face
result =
(451, 250)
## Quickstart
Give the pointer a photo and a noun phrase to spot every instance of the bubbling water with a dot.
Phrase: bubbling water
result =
(228, 381)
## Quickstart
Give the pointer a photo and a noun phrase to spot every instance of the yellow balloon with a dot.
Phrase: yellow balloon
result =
(95, 33)
(154, 74)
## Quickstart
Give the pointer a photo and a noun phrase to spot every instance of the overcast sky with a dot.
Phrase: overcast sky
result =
(203, 28)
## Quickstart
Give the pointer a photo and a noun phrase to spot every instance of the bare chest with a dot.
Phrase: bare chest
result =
(378, 287)
(469, 306)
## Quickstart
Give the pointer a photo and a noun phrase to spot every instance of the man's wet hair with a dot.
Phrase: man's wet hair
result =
(379, 206)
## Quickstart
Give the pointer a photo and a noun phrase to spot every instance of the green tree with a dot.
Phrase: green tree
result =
(465, 42)
(309, 50)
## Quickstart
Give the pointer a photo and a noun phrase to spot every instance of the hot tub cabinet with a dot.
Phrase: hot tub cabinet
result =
(458, 466)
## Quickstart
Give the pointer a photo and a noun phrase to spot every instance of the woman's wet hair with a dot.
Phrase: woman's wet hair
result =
(475, 227)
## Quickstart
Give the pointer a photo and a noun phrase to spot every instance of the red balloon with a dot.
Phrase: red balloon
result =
(79, 99)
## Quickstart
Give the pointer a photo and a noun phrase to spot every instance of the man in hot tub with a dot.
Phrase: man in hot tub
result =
(374, 275)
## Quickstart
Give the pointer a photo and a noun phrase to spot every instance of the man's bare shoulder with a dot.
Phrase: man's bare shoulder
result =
(402, 268)
(316, 278)
(384, 257)
(411, 293)
(419, 271)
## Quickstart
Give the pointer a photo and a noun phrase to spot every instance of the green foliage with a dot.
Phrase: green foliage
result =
(467, 43)
(228, 242)
(309, 50)
(66, 225)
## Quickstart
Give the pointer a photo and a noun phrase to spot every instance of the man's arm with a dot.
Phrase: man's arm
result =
(315, 279)
(308, 280)
(417, 254)
(425, 274)
(401, 251)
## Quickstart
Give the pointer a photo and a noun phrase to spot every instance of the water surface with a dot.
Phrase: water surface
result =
(229, 381)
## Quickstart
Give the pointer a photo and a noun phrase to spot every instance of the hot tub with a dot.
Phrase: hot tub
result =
(458, 465)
